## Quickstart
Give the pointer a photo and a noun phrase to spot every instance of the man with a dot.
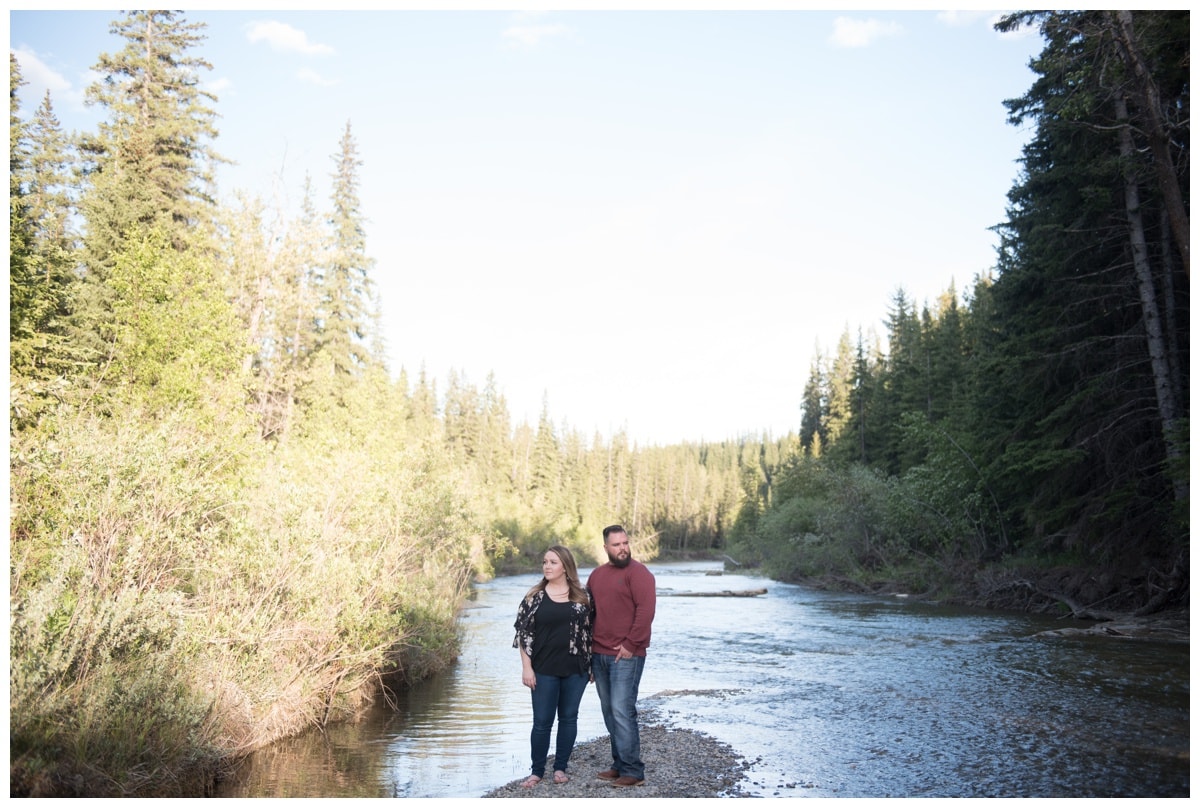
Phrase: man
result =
(623, 595)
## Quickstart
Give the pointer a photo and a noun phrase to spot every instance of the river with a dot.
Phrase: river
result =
(830, 694)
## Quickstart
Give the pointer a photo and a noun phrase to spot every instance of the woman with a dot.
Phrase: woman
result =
(554, 637)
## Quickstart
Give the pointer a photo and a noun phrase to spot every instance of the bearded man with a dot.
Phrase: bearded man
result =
(623, 594)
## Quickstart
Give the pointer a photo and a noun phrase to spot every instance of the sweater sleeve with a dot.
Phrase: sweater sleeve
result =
(642, 585)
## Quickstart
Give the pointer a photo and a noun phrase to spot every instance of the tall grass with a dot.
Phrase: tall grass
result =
(181, 595)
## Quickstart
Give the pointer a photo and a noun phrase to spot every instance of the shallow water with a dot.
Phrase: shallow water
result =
(831, 695)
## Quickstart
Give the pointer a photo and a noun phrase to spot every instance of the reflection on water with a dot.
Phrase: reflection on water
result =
(833, 695)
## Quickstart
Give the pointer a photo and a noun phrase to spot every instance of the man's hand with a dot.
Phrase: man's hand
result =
(622, 653)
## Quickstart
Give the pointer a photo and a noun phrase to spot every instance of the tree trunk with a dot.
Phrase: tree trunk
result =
(1156, 131)
(1156, 344)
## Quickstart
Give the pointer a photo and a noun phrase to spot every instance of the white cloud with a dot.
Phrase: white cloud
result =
(313, 77)
(40, 77)
(283, 37)
(848, 33)
(218, 85)
(962, 18)
(530, 35)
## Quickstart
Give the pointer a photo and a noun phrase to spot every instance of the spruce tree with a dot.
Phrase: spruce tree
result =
(813, 414)
(151, 162)
(25, 305)
(347, 305)
(495, 437)
(41, 255)
(547, 467)
(149, 167)
(1072, 402)
(839, 402)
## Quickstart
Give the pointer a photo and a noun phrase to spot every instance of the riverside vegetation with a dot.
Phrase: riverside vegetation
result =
(223, 539)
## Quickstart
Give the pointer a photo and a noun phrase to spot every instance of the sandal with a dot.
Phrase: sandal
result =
(531, 781)
(561, 778)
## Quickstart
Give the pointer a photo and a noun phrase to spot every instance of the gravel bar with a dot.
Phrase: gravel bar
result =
(679, 763)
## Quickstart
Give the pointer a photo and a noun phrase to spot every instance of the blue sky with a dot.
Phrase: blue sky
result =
(650, 217)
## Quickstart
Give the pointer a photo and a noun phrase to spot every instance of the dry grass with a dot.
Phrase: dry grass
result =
(180, 597)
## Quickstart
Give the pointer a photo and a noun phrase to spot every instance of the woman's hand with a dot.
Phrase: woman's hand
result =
(528, 677)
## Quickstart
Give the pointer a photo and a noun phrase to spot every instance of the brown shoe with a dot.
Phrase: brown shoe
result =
(622, 782)
(608, 774)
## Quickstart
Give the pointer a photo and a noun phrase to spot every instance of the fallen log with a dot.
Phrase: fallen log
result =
(727, 593)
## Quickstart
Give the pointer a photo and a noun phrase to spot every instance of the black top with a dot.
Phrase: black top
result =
(552, 640)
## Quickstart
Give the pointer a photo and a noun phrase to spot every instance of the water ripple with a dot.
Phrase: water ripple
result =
(838, 695)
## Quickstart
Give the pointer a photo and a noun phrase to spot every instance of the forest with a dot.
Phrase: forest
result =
(182, 509)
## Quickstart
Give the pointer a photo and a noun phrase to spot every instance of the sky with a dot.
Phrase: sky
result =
(643, 221)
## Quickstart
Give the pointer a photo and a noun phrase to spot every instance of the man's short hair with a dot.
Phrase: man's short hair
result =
(613, 529)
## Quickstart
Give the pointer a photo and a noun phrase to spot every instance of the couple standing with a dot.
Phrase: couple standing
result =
(568, 635)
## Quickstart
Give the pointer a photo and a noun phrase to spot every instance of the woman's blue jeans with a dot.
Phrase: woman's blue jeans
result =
(561, 695)
(617, 685)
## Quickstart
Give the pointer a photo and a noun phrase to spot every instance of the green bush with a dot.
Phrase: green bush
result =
(171, 591)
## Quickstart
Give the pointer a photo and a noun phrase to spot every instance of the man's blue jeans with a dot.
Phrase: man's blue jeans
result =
(561, 695)
(617, 685)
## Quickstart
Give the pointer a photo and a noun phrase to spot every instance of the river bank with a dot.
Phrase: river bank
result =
(1097, 603)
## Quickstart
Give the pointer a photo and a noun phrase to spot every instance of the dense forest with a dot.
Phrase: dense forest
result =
(1026, 446)
(183, 508)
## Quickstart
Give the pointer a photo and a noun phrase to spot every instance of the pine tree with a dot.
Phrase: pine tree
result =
(348, 312)
(150, 164)
(41, 254)
(25, 305)
(423, 411)
(546, 467)
(49, 193)
(297, 316)
(462, 418)
(149, 167)
(1073, 401)
(946, 352)
(839, 400)
(495, 437)
(862, 420)
(813, 412)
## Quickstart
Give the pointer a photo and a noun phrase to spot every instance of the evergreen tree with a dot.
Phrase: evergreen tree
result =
(423, 411)
(297, 315)
(546, 471)
(149, 167)
(49, 193)
(41, 252)
(861, 420)
(150, 164)
(161, 293)
(348, 312)
(813, 411)
(25, 305)
(495, 438)
(838, 408)
(946, 354)
(462, 417)
(1074, 394)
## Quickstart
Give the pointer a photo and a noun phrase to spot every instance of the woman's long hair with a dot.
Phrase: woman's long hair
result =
(576, 591)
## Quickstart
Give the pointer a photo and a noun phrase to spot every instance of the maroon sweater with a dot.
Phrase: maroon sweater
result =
(624, 600)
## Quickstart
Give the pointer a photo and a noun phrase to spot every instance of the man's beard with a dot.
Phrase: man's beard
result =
(620, 562)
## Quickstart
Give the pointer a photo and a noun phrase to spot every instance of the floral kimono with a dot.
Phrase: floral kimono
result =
(581, 627)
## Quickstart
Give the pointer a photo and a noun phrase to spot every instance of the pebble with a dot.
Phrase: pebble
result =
(679, 763)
